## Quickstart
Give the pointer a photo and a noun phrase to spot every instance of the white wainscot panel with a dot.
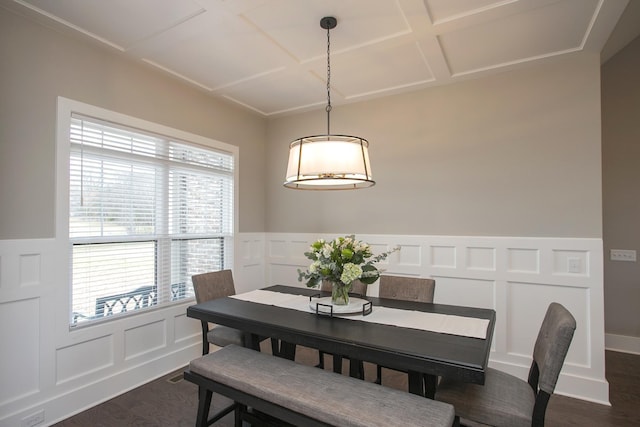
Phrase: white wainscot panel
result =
(20, 342)
(284, 274)
(245, 251)
(30, 267)
(523, 260)
(465, 292)
(257, 249)
(251, 252)
(249, 278)
(378, 248)
(526, 307)
(443, 256)
(277, 248)
(408, 256)
(144, 339)
(83, 358)
(299, 247)
(185, 328)
(570, 262)
(481, 259)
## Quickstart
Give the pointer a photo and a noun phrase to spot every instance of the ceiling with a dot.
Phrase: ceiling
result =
(270, 55)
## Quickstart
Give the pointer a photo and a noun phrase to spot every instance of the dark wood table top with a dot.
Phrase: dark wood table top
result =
(406, 349)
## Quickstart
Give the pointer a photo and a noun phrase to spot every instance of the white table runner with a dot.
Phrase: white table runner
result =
(434, 322)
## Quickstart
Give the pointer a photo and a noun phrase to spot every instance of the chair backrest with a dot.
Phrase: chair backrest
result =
(407, 288)
(357, 287)
(212, 285)
(550, 350)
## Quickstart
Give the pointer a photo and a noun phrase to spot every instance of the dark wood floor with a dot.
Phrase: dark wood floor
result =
(170, 401)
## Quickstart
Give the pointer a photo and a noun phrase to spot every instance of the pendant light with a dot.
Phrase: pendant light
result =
(329, 162)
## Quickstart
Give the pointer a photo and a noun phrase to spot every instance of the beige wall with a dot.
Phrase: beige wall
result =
(621, 187)
(514, 154)
(39, 64)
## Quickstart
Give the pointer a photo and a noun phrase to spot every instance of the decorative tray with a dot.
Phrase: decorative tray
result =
(325, 307)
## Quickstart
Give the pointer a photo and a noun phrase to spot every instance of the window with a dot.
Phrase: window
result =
(145, 213)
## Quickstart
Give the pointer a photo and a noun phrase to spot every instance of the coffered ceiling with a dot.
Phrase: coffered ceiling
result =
(270, 55)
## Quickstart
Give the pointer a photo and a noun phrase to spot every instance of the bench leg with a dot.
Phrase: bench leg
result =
(204, 402)
(238, 414)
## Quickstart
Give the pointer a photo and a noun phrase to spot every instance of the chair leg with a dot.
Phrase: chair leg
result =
(378, 374)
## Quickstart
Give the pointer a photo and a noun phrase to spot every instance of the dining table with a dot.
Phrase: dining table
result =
(417, 348)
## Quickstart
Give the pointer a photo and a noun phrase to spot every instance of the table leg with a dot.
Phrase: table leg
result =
(283, 349)
(275, 347)
(252, 341)
(416, 384)
(287, 350)
(337, 364)
(356, 369)
(423, 384)
(430, 384)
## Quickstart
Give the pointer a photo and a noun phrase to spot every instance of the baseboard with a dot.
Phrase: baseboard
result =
(67, 404)
(622, 343)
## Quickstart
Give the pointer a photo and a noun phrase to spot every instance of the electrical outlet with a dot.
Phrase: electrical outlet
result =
(33, 419)
(574, 265)
(623, 255)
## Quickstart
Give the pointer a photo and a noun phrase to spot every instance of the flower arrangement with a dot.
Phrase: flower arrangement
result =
(341, 261)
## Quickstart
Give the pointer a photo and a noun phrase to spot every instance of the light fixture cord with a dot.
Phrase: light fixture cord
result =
(328, 109)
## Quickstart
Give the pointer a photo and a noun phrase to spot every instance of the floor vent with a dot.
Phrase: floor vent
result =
(176, 379)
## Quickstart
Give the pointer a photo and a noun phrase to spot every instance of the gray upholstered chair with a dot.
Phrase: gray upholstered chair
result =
(405, 289)
(213, 285)
(358, 289)
(505, 400)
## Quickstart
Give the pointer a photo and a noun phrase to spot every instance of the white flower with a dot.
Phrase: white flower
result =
(350, 272)
(326, 250)
(314, 266)
(361, 247)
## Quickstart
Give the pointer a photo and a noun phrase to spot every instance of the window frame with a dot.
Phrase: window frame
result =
(66, 108)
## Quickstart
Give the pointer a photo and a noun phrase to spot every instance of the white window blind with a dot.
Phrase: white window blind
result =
(146, 213)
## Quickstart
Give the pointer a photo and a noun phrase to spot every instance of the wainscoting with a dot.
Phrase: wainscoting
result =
(50, 372)
(518, 277)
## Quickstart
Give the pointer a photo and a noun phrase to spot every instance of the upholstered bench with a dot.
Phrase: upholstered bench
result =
(306, 396)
